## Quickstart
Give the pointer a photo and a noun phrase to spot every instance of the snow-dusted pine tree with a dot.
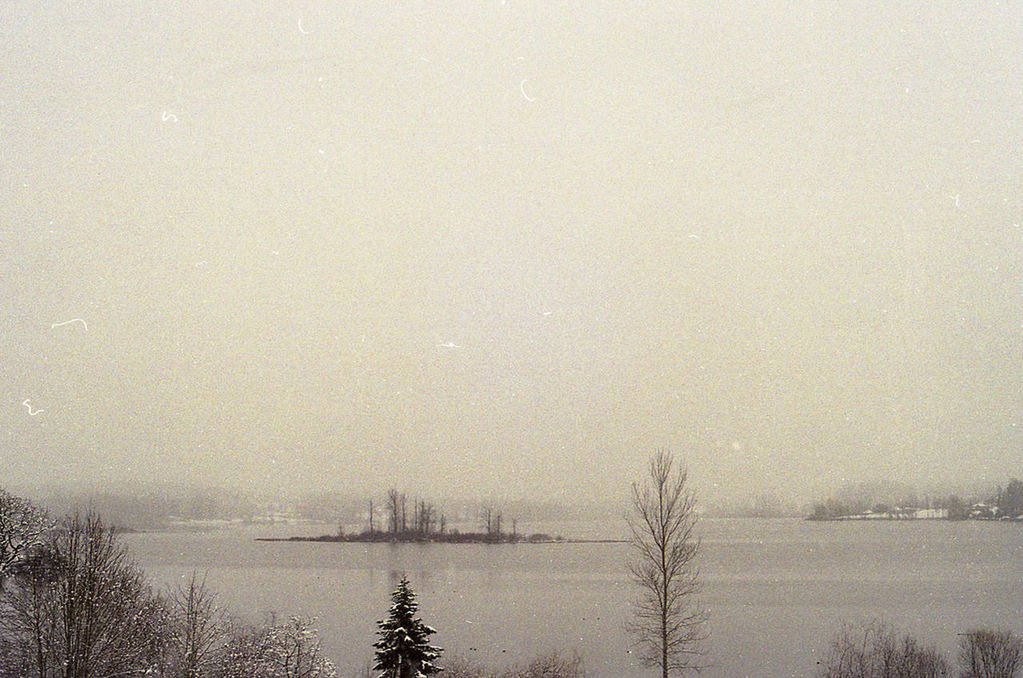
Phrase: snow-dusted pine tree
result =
(403, 650)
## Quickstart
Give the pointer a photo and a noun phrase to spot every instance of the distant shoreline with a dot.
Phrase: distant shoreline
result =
(457, 539)
(894, 519)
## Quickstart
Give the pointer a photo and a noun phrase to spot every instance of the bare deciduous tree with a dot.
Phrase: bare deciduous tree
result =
(668, 624)
(991, 654)
(198, 629)
(396, 505)
(22, 526)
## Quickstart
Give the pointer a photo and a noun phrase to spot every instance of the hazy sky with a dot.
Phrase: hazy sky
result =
(511, 246)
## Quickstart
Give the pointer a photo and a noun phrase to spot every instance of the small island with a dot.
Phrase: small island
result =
(452, 537)
(423, 523)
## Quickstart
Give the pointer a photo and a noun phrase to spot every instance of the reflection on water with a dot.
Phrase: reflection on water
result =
(777, 590)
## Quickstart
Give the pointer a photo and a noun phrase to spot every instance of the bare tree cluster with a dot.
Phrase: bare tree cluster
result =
(73, 605)
(991, 654)
(552, 665)
(424, 521)
(79, 608)
(874, 650)
(490, 520)
(289, 650)
(415, 519)
(668, 621)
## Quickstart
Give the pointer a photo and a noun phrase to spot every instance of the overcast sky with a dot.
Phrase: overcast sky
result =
(510, 247)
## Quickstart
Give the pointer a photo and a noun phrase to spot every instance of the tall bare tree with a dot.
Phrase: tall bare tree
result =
(198, 629)
(404, 520)
(394, 502)
(668, 623)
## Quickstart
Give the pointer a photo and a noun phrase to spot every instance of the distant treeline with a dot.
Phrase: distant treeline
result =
(153, 508)
(894, 502)
(149, 508)
(762, 505)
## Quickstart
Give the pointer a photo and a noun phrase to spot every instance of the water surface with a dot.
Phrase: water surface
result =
(777, 590)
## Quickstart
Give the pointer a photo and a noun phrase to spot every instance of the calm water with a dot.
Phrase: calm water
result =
(777, 590)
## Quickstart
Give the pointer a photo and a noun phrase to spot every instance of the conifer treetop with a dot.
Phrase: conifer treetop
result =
(403, 650)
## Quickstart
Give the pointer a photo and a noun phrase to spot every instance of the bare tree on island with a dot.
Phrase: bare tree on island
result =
(668, 622)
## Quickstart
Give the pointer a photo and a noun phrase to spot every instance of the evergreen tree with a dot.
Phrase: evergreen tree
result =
(403, 650)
